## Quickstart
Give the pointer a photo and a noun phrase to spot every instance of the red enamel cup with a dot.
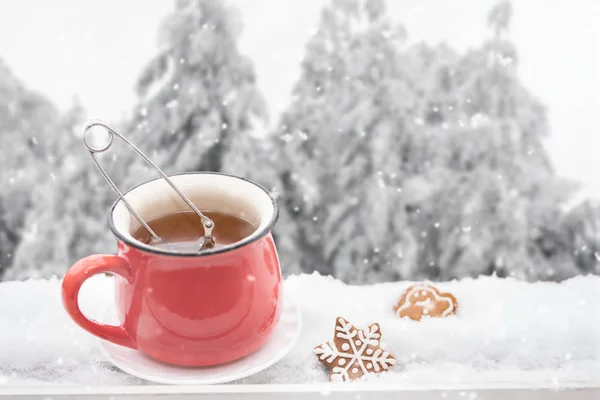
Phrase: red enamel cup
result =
(188, 309)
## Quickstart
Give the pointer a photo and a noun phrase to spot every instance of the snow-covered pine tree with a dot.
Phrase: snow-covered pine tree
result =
(67, 220)
(338, 143)
(494, 185)
(198, 94)
(28, 131)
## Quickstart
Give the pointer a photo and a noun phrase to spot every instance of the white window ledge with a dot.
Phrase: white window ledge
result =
(303, 392)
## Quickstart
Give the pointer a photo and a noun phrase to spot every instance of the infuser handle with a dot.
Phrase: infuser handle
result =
(71, 284)
(207, 223)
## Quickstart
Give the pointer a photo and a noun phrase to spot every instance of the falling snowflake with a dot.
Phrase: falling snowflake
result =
(354, 353)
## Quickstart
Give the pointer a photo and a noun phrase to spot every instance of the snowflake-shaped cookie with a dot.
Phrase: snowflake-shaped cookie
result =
(353, 353)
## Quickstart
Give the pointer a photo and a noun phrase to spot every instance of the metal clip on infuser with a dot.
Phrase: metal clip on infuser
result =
(207, 223)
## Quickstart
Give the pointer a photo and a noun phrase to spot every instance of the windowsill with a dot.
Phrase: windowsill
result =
(572, 391)
(510, 339)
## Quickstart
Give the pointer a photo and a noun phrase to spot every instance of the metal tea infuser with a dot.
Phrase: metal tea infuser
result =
(207, 223)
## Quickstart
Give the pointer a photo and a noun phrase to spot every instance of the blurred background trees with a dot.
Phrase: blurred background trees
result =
(198, 95)
(392, 161)
(29, 125)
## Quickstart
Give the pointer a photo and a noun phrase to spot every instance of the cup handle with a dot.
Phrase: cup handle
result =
(71, 284)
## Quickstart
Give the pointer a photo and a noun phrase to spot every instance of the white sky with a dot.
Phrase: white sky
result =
(95, 49)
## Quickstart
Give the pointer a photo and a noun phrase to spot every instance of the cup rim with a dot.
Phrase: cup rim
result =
(246, 241)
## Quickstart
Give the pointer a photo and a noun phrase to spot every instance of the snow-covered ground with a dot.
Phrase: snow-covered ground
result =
(506, 331)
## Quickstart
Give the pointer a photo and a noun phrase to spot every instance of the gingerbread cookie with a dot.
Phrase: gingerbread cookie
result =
(422, 300)
(354, 353)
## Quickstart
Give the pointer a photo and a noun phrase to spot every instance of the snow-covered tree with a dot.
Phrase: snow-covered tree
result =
(67, 218)
(28, 138)
(497, 174)
(198, 95)
(338, 143)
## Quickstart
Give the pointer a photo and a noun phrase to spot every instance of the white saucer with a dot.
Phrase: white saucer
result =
(138, 364)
